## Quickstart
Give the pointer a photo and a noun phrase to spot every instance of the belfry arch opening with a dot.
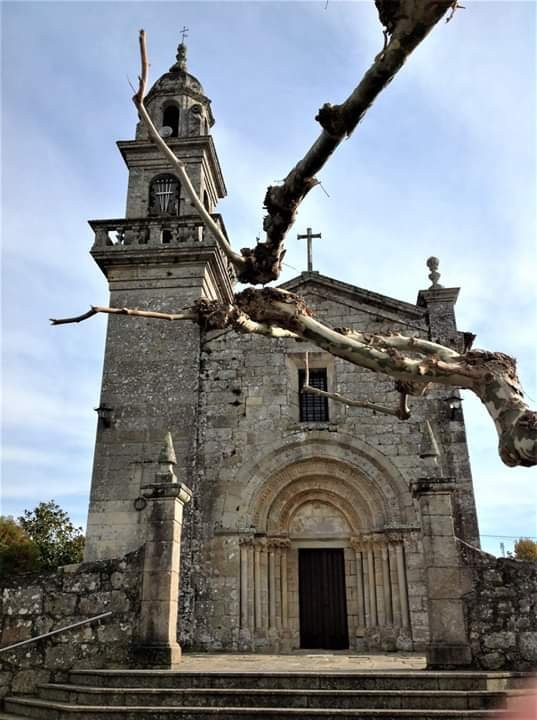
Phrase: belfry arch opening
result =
(170, 118)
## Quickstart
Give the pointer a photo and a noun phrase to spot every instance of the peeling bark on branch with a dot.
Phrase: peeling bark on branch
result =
(414, 363)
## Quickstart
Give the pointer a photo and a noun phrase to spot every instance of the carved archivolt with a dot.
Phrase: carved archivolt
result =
(364, 478)
(317, 493)
(360, 500)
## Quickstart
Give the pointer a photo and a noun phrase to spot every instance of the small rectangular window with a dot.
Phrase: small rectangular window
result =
(313, 408)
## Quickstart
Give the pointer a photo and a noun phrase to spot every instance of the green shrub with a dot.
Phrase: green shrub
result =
(18, 554)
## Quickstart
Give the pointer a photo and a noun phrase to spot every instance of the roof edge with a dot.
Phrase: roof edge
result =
(368, 296)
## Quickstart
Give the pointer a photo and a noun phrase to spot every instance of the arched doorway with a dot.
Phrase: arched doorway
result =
(319, 528)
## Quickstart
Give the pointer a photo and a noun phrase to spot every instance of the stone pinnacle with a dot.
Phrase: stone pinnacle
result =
(167, 453)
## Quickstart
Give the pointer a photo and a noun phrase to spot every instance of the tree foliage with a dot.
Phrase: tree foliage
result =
(57, 540)
(18, 553)
(525, 549)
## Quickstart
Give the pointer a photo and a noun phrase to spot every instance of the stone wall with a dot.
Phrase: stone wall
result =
(501, 611)
(39, 603)
(251, 441)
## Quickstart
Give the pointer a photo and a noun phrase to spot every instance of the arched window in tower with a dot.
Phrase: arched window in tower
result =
(206, 201)
(170, 118)
(164, 193)
(195, 120)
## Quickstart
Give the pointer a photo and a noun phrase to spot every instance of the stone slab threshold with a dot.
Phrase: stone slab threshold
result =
(301, 661)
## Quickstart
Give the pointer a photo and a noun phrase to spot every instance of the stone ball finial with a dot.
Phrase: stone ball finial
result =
(434, 275)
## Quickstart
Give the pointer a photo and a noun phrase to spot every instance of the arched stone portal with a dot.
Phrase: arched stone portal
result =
(324, 503)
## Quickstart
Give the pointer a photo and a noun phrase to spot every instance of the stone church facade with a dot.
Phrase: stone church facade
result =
(302, 531)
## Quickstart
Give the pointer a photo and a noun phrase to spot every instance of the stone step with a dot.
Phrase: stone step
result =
(291, 698)
(46, 710)
(372, 680)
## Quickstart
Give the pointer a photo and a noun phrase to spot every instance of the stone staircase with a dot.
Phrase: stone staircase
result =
(164, 695)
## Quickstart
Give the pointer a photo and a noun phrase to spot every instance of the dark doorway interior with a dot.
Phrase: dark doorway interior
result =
(323, 605)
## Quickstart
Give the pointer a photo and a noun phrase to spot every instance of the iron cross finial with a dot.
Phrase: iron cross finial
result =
(309, 236)
(184, 33)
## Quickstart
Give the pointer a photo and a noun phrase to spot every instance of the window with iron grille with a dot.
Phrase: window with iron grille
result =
(164, 193)
(313, 408)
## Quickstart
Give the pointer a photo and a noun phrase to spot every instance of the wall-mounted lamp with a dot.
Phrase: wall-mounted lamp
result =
(455, 404)
(104, 413)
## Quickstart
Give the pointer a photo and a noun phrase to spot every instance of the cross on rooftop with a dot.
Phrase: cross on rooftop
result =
(184, 33)
(309, 236)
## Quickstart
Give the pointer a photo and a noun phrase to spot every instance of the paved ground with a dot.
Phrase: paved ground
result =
(303, 661)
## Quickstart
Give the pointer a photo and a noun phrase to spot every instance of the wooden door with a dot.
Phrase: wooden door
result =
(323, 605)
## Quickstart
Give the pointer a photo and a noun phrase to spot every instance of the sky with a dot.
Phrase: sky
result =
(443, 164)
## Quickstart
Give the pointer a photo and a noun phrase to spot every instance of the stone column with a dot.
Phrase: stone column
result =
(360, 609)
(251, 585)
(386, 583)
(449, 645)
(157, 642)
(257, 587)
(372, 580)
(243, 544)
(283, 586)
(401, 581)
(272, 584)
(394, 584)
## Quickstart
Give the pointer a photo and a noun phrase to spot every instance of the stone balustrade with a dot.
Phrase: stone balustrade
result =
(153, 231)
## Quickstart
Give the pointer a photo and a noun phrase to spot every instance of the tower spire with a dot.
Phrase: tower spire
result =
(181, 53)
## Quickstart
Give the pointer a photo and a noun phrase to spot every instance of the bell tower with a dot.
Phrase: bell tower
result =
(182, 113)
(159, 257)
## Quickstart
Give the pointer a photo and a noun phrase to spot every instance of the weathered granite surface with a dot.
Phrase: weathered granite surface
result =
(266, 486)
(501, 611)
(35, 604)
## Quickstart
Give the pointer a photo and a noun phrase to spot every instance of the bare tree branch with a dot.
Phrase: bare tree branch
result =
(243, 323)
(414, 363)
(77, 319)
(401, 342)
(491, 376)
(95, 309)
(410, 22)
(402, 411)
(138, 99)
